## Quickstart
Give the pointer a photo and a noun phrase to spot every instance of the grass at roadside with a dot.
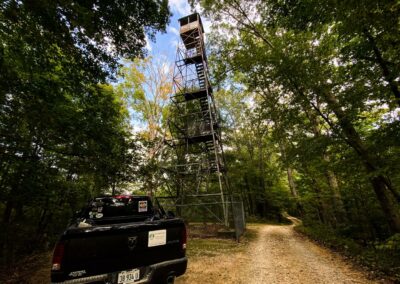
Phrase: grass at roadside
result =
(216, 246)
(217, 260)
(33, 269)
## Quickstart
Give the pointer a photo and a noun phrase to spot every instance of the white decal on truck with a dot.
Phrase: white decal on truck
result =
(157, 238)
(77, 273)
(142, 205)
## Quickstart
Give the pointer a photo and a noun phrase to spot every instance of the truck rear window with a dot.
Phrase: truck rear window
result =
(111, 207)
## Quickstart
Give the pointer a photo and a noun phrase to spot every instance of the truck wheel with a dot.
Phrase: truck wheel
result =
(170, 279)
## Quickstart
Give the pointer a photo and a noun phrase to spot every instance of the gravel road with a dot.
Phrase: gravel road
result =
(278, 255)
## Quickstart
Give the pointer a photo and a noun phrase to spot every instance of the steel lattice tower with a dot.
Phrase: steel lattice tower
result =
(195, 121)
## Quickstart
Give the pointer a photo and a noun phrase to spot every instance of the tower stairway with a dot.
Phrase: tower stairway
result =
(195, 125)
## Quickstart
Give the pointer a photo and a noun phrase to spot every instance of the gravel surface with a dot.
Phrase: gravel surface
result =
(278, 255)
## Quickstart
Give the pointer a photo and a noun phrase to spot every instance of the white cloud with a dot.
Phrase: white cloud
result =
(166, 67)
(137, 127)
(206, 24)
(148, 44)
(174, 43)
(173, 30)
(109, 45)
(181, 7)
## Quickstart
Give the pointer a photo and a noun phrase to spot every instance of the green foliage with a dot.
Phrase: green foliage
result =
(60, 166)
(64, 136)
(329, 238)
(253, 164)
(382, 257)
(322, 85)
(320, 79)
(391, 244)
(92, 34)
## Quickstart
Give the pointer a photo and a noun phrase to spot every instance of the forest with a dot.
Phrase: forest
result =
(308, 92)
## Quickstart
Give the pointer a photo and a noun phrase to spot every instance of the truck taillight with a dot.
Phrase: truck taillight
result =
(57, 256)
(184, 237)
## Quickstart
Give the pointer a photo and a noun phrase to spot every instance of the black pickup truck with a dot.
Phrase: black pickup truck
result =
(122, 240)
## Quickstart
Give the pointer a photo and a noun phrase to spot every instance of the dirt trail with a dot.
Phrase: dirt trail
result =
(278, 255)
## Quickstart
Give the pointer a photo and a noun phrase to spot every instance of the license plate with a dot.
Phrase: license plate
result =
(128, 276)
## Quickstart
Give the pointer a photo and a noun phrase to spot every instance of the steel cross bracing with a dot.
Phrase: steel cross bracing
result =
(194, 122)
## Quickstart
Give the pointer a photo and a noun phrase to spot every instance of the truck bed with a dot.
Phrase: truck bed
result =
(111, 248)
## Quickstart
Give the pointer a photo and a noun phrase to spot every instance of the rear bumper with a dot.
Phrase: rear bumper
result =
(155, 273)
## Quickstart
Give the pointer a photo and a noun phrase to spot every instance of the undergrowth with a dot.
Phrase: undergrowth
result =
(382, 258)
(280, 220)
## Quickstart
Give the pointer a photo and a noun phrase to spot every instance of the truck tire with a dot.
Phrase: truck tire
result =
(170, 279)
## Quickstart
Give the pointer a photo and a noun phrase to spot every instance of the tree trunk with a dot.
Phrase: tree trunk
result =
(4, 241)
(293, 190)
(337, 197)
(323, 207)
(389, 78)
(291, 182)
(7, 212)
(245, 198)
(388, 204)
(249, 196)
(340, 213)
(384, 194)
(325, 210)
(5, 170)
(113, 188)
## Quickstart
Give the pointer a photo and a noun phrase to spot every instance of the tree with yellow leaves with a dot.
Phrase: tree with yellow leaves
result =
(145, 86)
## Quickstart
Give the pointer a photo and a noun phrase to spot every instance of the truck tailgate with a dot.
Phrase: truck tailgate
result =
(106, 249)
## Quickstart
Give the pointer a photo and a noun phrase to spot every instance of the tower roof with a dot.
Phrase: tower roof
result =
(191, 18)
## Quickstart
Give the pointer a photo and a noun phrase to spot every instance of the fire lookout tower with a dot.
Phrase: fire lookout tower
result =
(195, 128)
